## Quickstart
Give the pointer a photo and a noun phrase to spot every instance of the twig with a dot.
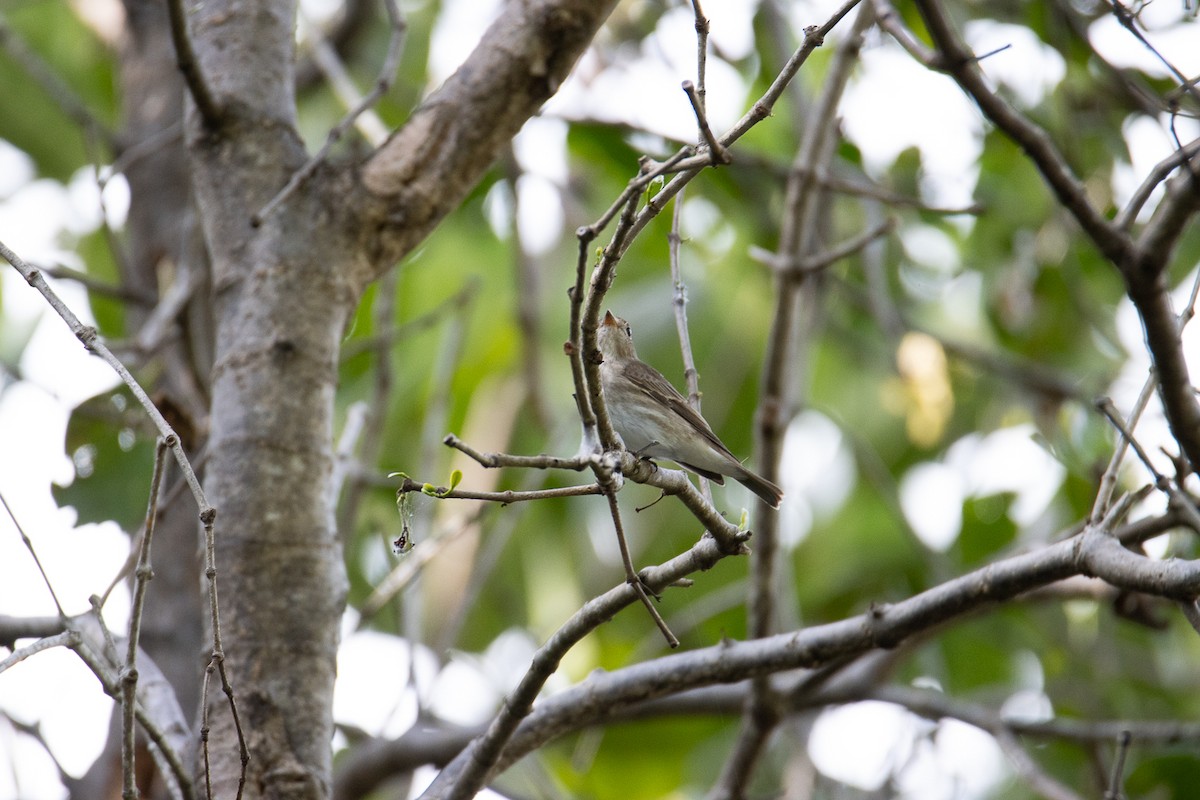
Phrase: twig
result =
(955, 59)
(1160, 173)
(573, 349)
(718, 153)
(1114, 783)
(496, 460)
(798, 267)
(174, 301)
(64, 639)
(936, 705)
(33, 553)
(631, 576)
(648, 173)
(402, 574)
(503, 498)
(691, 376)
(686, 165)
(185, 58)
(387, 74)
(700, 22)
(889, 21)
(602, 277)
(1128, 21)
(141, 581)
(369, 125)
(679, 300)
(1161, 482)
(1109, 478)
(97, 286)
(861, 187)
(216, 663)
(353, 19)
(1191, 612)
(814, 37)
(394, 334)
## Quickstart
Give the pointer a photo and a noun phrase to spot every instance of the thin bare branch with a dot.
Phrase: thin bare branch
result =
(64, 639)
(889, 21)
(1118, 771)
(1160, 173)
(189, 65)
(718, 153)
(33, 554)
(387, 73)
(1128, 20)
(611, 487)
(99, 287)
(503, 498)
(497, 460)
(396, 333)
(691, 376)
(798, 267)
(141, 581)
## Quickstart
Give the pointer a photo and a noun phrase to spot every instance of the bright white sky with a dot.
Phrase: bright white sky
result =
(891, 104)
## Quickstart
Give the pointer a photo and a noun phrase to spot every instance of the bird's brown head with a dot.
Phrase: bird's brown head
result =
(615, 338)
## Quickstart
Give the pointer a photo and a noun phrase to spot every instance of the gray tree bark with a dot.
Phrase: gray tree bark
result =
(282, 294)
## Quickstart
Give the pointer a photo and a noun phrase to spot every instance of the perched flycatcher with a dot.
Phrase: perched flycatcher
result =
(655, 421)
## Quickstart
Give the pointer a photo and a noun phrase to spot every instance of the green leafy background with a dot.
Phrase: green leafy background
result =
(1094, 664)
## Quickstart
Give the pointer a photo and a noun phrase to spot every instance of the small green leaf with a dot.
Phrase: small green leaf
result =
(455, 479)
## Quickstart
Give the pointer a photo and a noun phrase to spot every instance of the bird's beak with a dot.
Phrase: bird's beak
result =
(609, 319)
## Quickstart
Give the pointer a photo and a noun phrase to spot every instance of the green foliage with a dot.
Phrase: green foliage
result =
(57, 37)
(1168, 777)
(109, 312)
(107, 459)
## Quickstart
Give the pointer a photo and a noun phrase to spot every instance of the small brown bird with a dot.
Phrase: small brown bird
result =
(655, 421)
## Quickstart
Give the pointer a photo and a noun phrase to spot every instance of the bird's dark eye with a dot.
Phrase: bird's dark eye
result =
(629, 331)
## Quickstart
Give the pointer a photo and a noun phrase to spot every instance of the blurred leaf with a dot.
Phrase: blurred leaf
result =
(53, 32)
(113, 465)
(1166, 777)
(986, 529)
(109, 312)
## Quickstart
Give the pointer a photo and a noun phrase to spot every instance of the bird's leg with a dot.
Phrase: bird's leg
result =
(638, 454)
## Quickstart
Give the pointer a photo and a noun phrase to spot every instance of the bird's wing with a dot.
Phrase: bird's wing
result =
(651, 381)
